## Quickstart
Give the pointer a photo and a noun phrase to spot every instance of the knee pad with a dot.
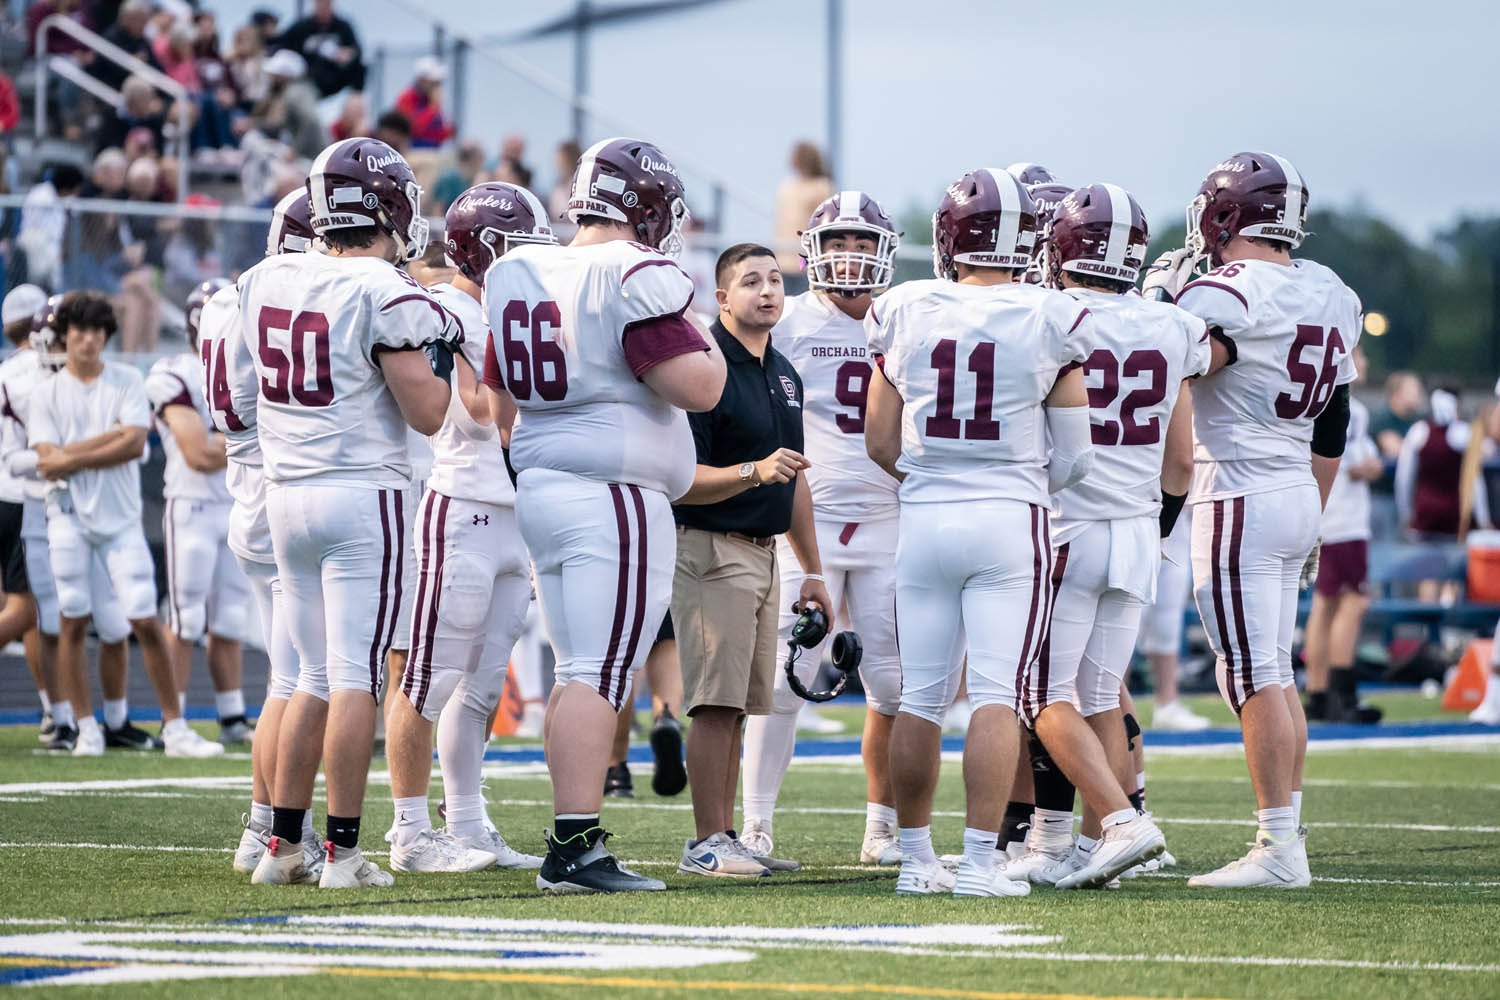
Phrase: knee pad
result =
(463, 598)
(882, 681)
(73, 597)
(190, 622)
(928, 693)
(429, 689)
(481, 690)
(230, 620)
(1132, 728)
(313, 681)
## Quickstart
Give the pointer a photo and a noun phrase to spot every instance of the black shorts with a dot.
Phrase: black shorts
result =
(666, 632)
(12, 551)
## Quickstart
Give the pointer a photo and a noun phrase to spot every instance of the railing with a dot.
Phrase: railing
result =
(105, 48)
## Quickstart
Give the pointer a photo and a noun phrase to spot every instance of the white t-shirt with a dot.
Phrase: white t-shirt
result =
(1293, 329)
(319, 323)
(19, 375)
(1142, 352)
(467, 461)
(178, 381)
(1346, 516)
(65, 410)
(973, 364)
(561, 343)
(829, 351)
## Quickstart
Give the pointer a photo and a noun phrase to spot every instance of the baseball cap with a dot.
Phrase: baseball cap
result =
(21, 302)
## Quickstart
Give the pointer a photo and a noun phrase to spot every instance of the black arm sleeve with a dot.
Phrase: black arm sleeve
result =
(1331, 427)
(1171, 509)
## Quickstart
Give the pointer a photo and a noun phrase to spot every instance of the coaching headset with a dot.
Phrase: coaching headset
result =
(810, 630)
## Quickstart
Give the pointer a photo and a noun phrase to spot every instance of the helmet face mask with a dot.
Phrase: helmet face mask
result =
(850, 245)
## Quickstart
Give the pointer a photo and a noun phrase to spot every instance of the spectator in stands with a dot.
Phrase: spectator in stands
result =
(142, 109)
(178, 57)
(1404, 402)
(246, 64)
(10, 104)
(44, 223)
(796, 199)
(139, 142)
(129, 33)
(146, 236)
(267, 25)
(422, 104)
(58, 44)
(289, 110)
(512, 163)
(331, 48)
(211, 67)
(394, 129)
(97, 261)
(353, 119)
(192, 255)
(565, 162)
(458, 178)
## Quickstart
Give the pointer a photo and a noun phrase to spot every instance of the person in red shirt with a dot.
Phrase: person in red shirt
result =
(422, 104)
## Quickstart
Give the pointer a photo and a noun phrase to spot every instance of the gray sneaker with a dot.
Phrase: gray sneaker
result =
(720, 856)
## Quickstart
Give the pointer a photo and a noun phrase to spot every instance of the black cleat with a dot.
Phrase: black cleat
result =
(583, 865)
(63, 738)
(129, 737)
(617, 783)
(669, 776)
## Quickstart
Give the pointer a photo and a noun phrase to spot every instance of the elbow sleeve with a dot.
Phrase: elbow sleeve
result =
(1331, 427)
(1072, 450)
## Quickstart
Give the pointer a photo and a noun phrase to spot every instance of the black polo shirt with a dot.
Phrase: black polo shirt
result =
(760, 411)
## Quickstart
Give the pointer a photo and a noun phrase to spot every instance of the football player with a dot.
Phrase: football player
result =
(1270, 421)
(220, 337)
(850, 248)
(1107, 536)
(39, 358)
(350, 350)
(591, 343)
(206, 590)
(980, 372)
(474, 582)
(88, 426)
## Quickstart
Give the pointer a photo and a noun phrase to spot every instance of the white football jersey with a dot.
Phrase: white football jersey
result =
(220, 338)
(20, 374)
(64, 410)
(318, 324)
(1346, 516)
(1142, 352)
(467, 462)
(558, 333)
(829, 351)
(1293, 329)
(178, 381)
(973, 364)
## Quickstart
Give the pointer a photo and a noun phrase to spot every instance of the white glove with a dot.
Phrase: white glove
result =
(1170, 272)
(22, 464)
(1310, 568)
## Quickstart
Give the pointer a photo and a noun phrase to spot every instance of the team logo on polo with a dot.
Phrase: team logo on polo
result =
(790, 387)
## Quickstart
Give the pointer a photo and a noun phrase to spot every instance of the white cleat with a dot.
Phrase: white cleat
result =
(810, 720)
(1269, 865)
(765, 856)
(924, 878)
(346, 868)
(1154, 865)
(1174, 716)
(1123, 846)
(532, 717)
(1030, 866)
(183, 741)
(976, 879)
(252, 845)
(1488, 712)
(1060, 868)
(505, 856)
(284, 864)
(880, 849)
(90, 742)
(439, 851)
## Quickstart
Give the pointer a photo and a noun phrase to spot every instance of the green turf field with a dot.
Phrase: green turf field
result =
(120, 868)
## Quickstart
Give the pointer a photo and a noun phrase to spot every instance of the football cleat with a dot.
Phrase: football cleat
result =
(617, 783)
(283, 864)
(1061, 867)
(90, 742)
(183, 741)
(810, 720)
(438, 851)
(251, 847)
(533, 716)
(669, 775)
(346, 868)
(1174, 716)
(583, 865)
(1123, 846)
(505, 855)
(1269, 865)
(47, 729)
(976, 879)
(1038, 859)
(235, 730)
(129, 737)
(880, 849)
(924, 878)
(720, 856)
(757, 843)
(63, 738)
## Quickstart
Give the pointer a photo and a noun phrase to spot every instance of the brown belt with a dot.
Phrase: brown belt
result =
(764, 543)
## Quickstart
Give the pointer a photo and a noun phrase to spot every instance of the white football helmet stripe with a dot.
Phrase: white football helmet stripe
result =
(849, 204)
(1292, 214)
(1119, 227)
(1010, 204)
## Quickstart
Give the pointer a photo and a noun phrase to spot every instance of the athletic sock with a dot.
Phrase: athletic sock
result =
(769, 743)
(343, 831)
(1297, 807)
(568, 826)
(181, 702)
(879, 820)
(1052, 828)
(309, 835)
(1279, 823)
(412, 819)
(286, 824)
(116, 711)
(465, 816)
(1118, 818)
(230, 704)
(1017, 822)
(1140, 790)
(1086, 845)
(261, 817)
(916, 843)
(62, 714)
(979, 845)
(46, 701)
(88, 723)
(461, 733)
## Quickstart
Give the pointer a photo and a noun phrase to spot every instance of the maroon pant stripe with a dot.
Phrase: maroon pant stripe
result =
(622, 592)
(1023, 666)
(174, 613)
(409, 678)
(385, 582)
(402, 544)
(1218, 598)
(1236, 533)
(639, 503)
(434, 566)
(1044, 660)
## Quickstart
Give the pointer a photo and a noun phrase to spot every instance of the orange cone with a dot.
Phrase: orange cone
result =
(1467, 688)
(508, 716)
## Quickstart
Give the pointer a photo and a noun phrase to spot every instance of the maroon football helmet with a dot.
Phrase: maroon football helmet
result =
(291, 225)
(1030, 173)
(632, 181)
(845, 270)
(46, 339)
(193, 311)
(487, 220)
(364, 182)
(986, 219)
(1046, 197)
(1249, 194)
(1098, 230)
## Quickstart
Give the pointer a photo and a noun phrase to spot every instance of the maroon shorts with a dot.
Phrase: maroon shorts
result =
(1343, 566)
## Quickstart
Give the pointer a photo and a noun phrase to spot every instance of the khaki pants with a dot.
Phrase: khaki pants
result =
(724, 600)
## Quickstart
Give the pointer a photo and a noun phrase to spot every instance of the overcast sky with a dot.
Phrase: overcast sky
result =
(1387, 104)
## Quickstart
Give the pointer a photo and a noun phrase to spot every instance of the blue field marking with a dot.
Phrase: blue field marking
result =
(12, 974)
(32, 716)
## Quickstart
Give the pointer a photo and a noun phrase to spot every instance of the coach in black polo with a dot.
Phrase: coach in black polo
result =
(726, 595)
